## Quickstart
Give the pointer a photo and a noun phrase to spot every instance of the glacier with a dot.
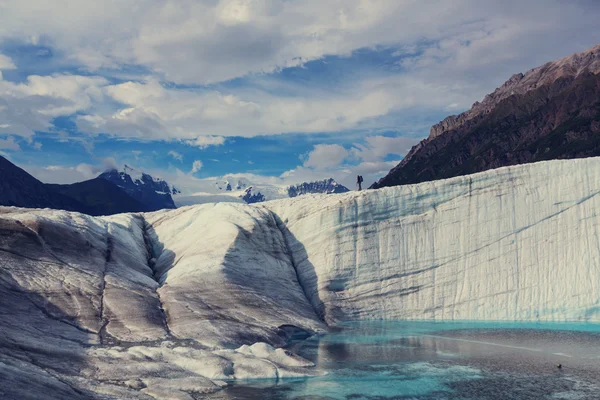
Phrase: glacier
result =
(515, 243)
(178, 302)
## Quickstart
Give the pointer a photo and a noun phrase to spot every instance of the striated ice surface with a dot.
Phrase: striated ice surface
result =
(226, 275)
(154, 306)
(516, 243)
(177, 303)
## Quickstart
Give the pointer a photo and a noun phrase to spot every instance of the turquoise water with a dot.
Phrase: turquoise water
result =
(446, 360)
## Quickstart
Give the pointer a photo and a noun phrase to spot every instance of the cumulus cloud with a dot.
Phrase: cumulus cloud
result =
(196, 166)
(378, 147)
(32, 105)
(332, 160)
(202, 142)
(177, 156)
(65, 174)
(204, 42)
(446, 60)
(325, 156)
(152, 111)
(6, 62)
(9, 144)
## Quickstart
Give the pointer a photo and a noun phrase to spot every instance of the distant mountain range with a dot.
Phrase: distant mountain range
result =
(155, 193)
(550, 112)
(131, 190)
(243, 190)
(325, 186)
(98, 196)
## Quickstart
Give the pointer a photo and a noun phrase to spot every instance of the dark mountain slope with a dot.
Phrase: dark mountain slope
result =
(19, 189)
(95, 197)
(100, 197)
(532, 117)
(521, 129)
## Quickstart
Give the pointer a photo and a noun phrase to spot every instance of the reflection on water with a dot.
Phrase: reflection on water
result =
(425, 360)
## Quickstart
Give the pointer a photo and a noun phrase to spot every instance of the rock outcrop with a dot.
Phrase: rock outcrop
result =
(551, 112)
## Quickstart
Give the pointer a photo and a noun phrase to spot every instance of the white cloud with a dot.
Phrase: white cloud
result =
(378, 147)
(325, 156)
(32, 105)
(6, 62)
(63, 174)
(68, 174)
(177, 156)
(454, 53)
(196, 166)
(211, 41)
(152, 111)
(9, 144)
(202, 142)
(36, 145)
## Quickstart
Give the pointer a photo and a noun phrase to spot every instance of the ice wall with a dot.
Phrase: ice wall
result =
(516, 243)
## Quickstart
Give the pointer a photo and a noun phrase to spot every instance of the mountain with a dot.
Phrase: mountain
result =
(93, 197)
(234, 189)
(100, 197)
(550, 112)
(154, 193)
(179, 303)
(18, 188)
(325, 186)
(251, 196)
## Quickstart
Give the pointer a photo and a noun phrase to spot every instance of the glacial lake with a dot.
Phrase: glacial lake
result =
(445, 360)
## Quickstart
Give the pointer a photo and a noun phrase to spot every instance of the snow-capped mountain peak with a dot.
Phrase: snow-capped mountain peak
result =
(325, 186)
(238, 189)
(136, 175)
(155, 193)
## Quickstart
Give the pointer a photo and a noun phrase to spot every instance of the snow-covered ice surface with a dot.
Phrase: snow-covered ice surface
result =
(100, 308)
(516, 243)
(173, 304)
(226, 275)
(182, 200)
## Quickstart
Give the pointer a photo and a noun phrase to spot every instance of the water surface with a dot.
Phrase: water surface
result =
(456, 360)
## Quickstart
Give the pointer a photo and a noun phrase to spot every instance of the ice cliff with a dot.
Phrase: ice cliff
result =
(516, 243)
(174, 303)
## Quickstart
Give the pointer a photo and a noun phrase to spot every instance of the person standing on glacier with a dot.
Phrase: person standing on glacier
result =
(359, 181)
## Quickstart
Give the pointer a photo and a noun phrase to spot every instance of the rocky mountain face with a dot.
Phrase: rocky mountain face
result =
(250, 196)
(254, 194)
(154, 193)
(324, 186)
(551, 112)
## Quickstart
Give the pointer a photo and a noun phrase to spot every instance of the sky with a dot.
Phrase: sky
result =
(280, 91)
